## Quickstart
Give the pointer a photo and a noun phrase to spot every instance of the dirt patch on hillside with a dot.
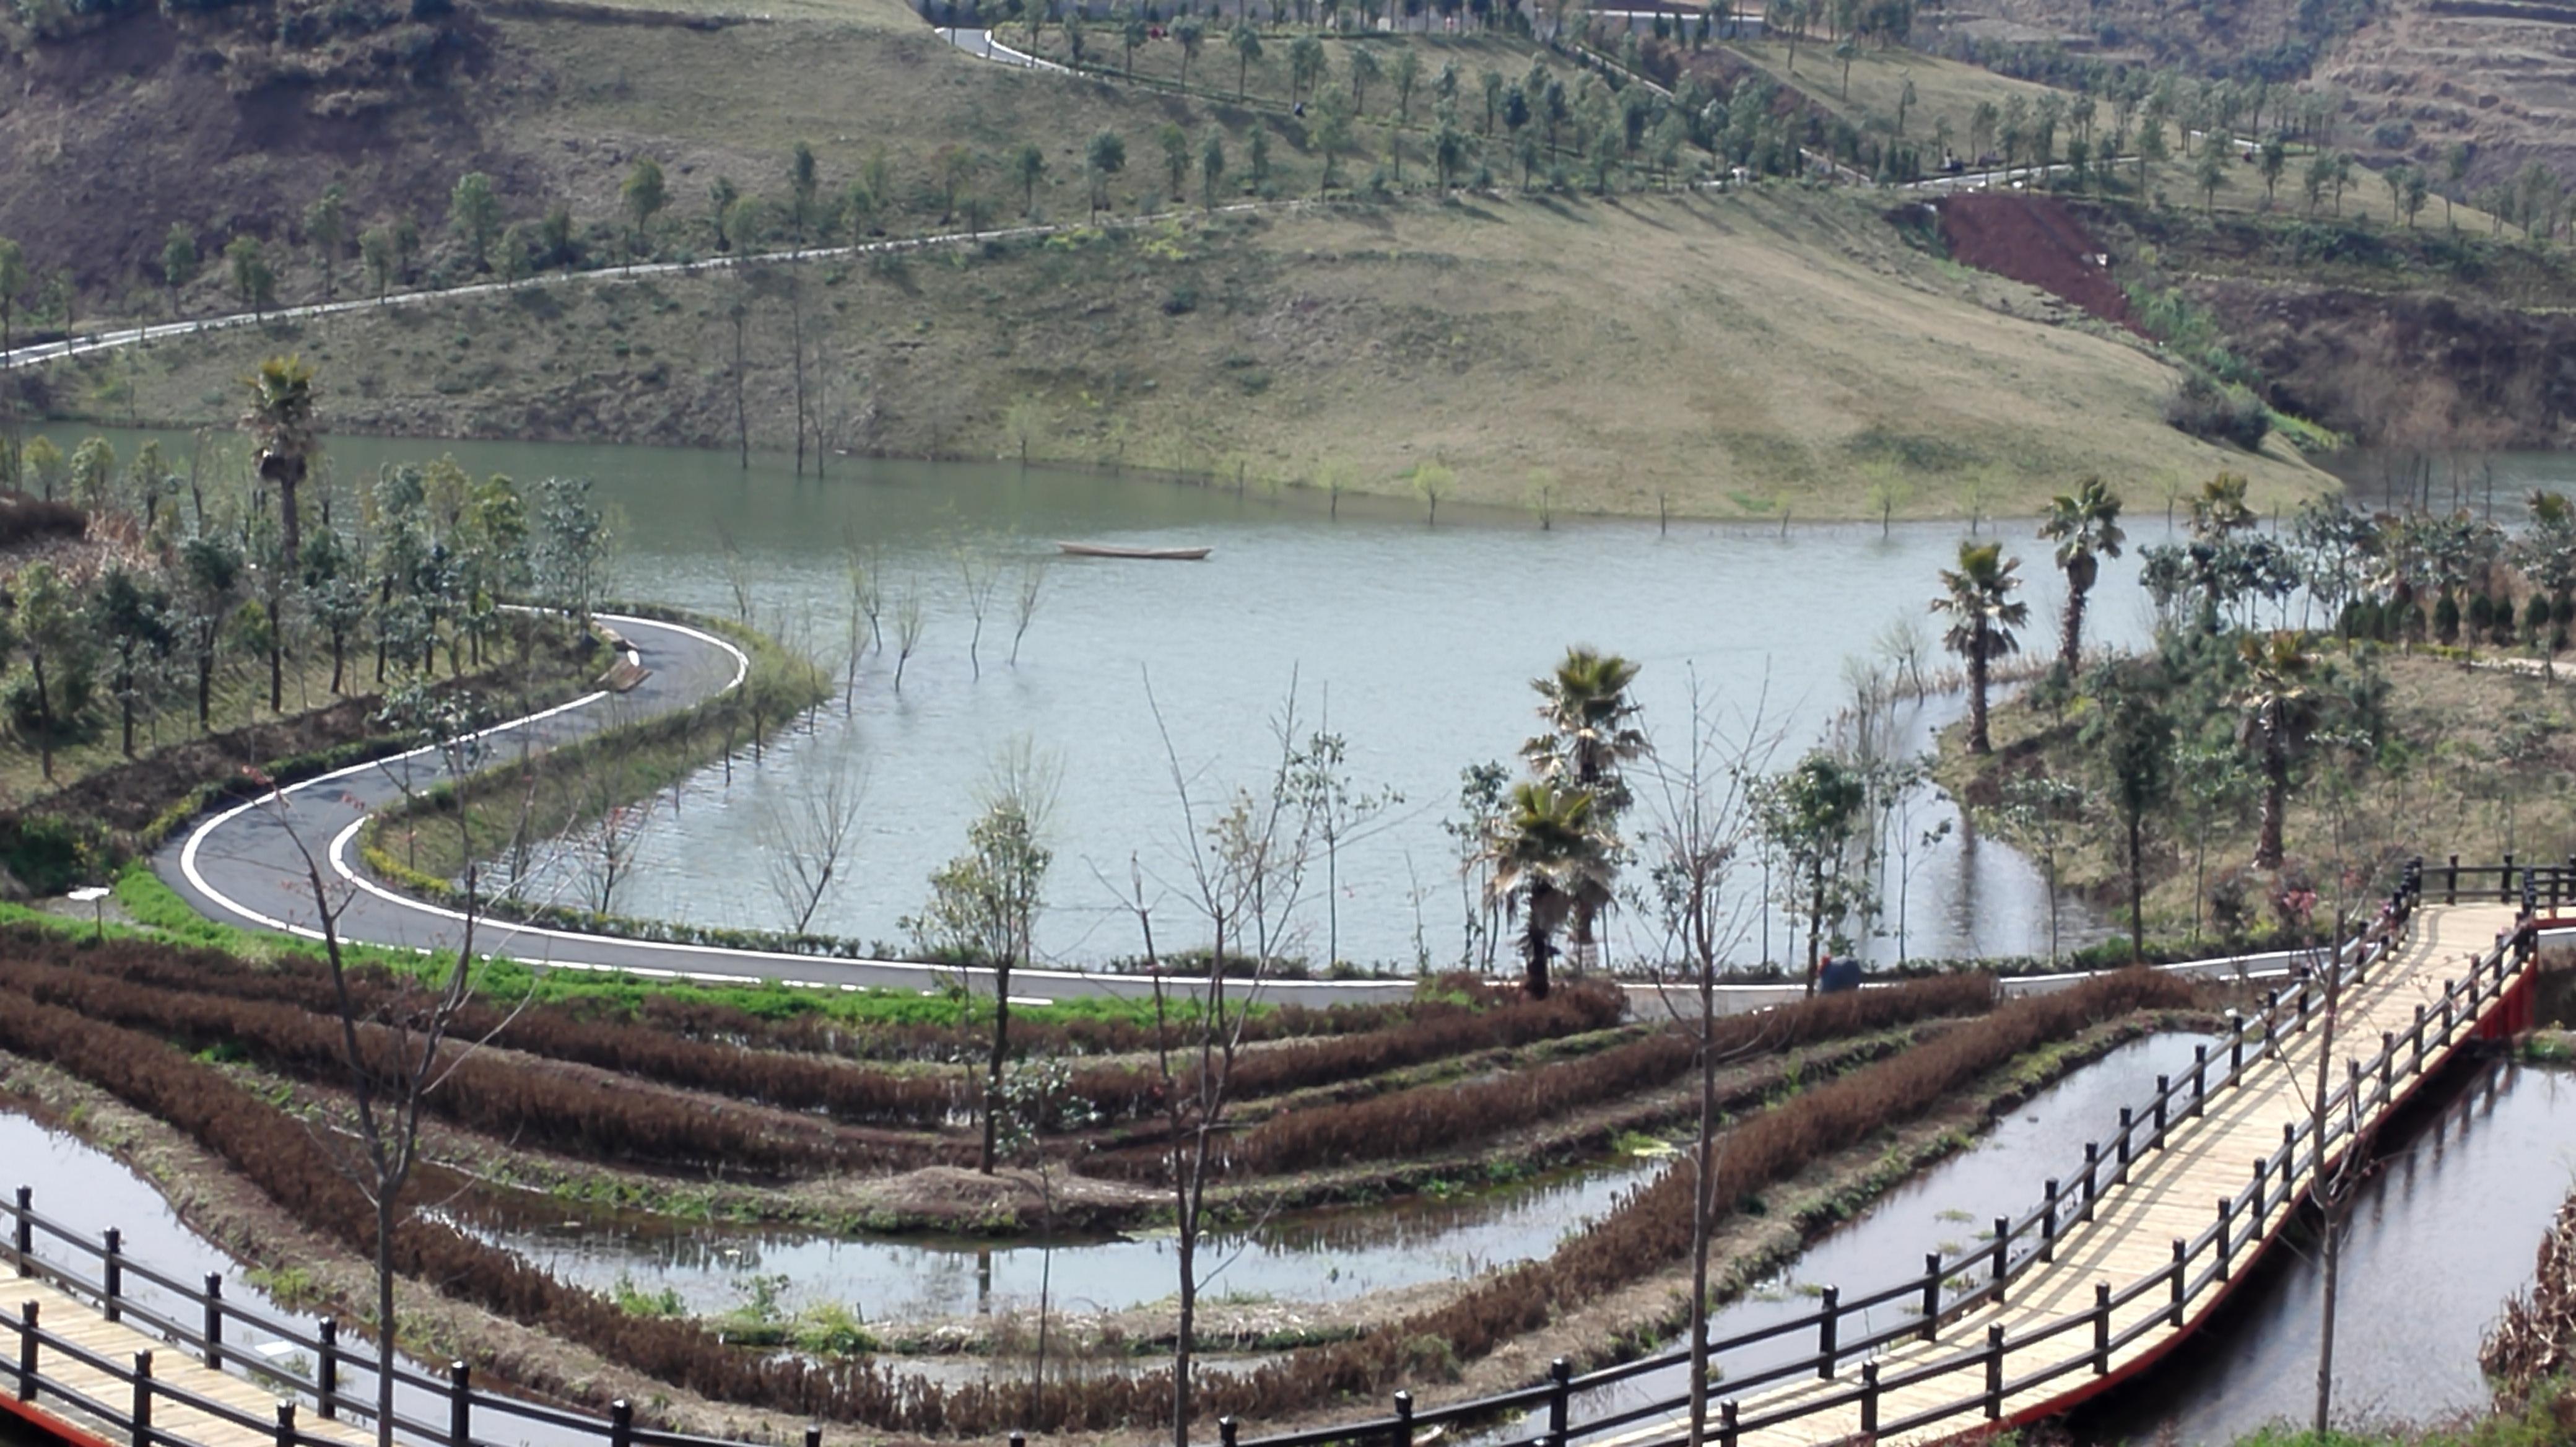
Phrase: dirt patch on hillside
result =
(2406, 370)
(2037, 241)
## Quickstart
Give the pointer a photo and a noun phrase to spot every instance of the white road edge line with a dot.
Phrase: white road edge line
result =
(338, 854)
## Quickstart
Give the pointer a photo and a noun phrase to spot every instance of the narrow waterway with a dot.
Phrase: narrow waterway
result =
(2445, 1231)
(1338, 1254)
(1946, 1208)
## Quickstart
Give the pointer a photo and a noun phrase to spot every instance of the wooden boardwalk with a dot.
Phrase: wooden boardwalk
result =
(178, 1375)
(2171, 1195)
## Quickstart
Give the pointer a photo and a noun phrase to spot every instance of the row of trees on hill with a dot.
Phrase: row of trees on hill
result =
(233, 561)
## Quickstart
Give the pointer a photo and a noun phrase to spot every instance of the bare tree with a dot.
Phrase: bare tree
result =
(1242, 870)
(1341, 813)
(1024, 604)
(737, 573)
(907, 629)
(796, 346)
(1702, 824)
(399, 1046)
(982, 576)
(804, 837)
(737, 310)
(2334, 1187)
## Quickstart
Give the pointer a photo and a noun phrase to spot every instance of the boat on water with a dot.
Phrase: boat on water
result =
(1113, 550)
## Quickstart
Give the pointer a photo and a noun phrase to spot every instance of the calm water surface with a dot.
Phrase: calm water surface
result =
(1414, 643)
(1332, 1255)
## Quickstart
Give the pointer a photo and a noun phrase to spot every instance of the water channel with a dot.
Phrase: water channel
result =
(1414, 643)
(2445, 1233)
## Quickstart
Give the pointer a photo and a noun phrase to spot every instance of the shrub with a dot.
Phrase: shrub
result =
(2218, 412)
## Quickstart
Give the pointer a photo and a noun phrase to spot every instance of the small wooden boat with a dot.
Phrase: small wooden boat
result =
(1112, 550)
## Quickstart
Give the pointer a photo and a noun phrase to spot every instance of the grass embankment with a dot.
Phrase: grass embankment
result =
(517, 802)
(1757, 355)
(2469, 760)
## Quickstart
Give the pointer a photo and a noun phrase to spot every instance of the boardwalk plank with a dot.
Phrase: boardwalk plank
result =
(2171, 1192)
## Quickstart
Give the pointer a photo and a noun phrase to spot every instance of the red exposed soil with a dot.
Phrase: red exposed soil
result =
(2035, 240)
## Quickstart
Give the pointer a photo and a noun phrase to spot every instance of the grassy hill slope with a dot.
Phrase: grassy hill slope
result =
(1725, 356)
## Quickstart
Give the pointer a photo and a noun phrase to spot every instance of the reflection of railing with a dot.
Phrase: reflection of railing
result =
(1950, 1286)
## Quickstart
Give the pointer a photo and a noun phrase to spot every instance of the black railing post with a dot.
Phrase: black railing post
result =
(460, 1404)
(2128, 1123)
(1728, 1413)
(26, 1351)
(2048, 1223)
(1825, 1332)
(2262, 1194)
(2236, 1048)
(2226, 1225)
(111, 1258)
(1226, 1428)
(2504, 885)
(621, 1423)
(326, 1372)
(1869, 1399)
(2101, 1328)
(1931, 1295)
(2451, 882)
(142, 1399)
(2199, 1079)
(1018, 1439)
(1995, 1372)
(2271, 1022)
(2418, 1067)
(286, 1424)
(1560, 1400)
(2164, 1090)
(2092, 1188)
(2182, 1256)
(2387, 1065)
(22, 1232)
(2003, 1254)
(214, 1322)
(1401, 1435)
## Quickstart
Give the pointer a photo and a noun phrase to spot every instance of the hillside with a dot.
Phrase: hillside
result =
(1731, 356)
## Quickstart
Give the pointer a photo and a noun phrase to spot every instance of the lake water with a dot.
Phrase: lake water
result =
(1415, 643)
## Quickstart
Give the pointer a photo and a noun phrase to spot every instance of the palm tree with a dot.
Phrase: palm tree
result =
(2085, 525)
(1591, 731)
(280, 420)
(2278, 711)
(1547, 856)
(1978, 597)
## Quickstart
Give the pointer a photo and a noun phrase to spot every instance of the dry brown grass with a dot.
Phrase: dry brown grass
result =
(1734, 356)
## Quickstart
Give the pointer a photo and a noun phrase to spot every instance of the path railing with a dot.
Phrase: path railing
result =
(1958, 1284)
(1951, 1285)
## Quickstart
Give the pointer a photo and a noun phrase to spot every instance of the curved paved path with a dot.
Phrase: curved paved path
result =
(243, 865)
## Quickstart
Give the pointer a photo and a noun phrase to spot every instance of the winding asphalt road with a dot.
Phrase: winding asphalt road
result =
(246, 864)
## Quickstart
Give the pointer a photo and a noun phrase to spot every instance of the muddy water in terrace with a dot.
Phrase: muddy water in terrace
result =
(85, 1190)
(2445, 1231)
(1309, 1256)
(1946, 1208)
